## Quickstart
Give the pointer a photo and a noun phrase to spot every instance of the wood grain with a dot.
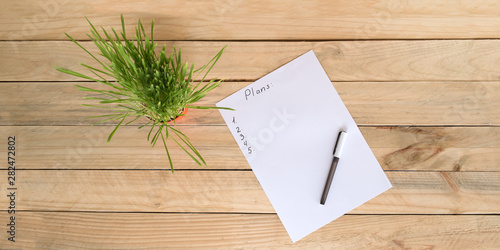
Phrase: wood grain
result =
(421, 78)
(370, 103)
(396, 148)
(238, 192)
(257, 20)
(428, 60)
(255, 231)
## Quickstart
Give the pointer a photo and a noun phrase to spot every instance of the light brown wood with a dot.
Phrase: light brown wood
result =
(421, 78)
(257, 20)
(250, 231)
(434, 60)
(396, 148)
(238, 192)
(408, 103)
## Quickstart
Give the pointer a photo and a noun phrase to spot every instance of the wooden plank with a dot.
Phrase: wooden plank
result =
(396, 148)
(370, 103)
(264, 231)
(256, 20)
(237, 192)
(434, 60)
(435, 148)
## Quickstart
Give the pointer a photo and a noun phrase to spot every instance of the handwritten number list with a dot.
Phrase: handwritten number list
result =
(242, 139)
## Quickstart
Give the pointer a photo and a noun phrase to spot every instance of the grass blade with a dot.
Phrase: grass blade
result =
(117, 126)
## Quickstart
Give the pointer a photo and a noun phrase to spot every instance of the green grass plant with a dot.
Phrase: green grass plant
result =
(141, 82)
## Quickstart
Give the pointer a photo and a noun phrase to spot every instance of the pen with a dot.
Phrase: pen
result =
(336, 155)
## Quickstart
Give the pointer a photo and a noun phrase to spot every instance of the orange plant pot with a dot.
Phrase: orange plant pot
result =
(182, 114)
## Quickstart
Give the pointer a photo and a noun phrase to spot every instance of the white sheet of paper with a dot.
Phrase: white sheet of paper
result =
(286, 124)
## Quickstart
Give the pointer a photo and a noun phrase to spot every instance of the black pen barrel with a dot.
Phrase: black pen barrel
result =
(329, 180)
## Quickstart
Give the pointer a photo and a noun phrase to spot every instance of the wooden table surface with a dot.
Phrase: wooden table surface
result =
(420, 78)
